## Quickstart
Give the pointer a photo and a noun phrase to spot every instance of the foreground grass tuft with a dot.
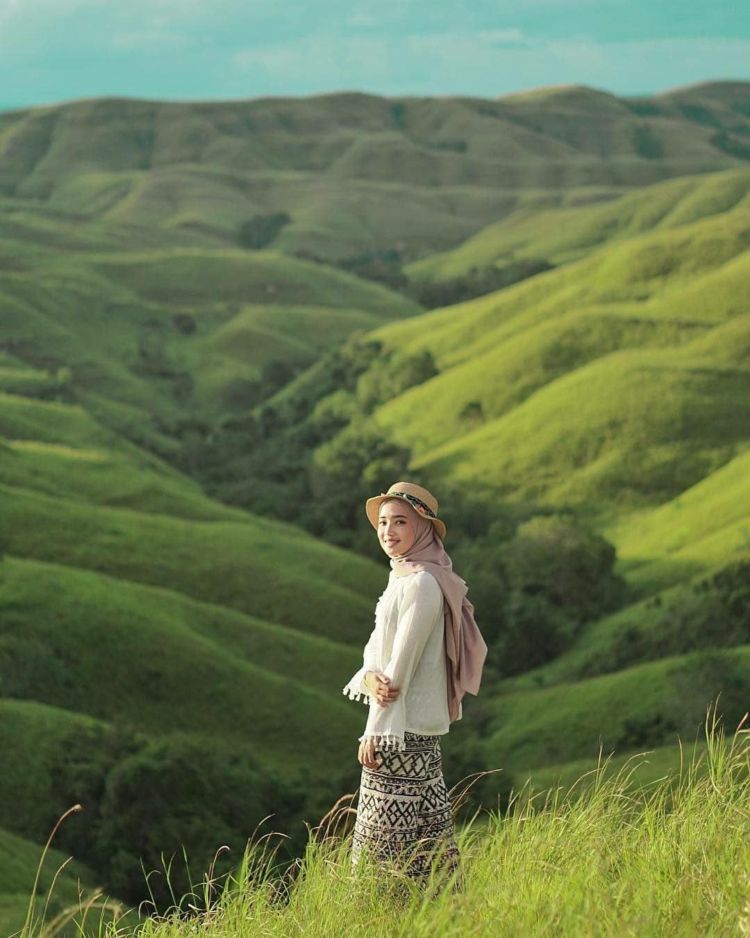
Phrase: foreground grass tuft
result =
(606, 856)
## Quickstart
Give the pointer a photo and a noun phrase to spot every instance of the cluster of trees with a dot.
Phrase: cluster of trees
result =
(535, 582)
(150, 804)
(260, 230)
(477, 282)
(386, 266)
(310, 454)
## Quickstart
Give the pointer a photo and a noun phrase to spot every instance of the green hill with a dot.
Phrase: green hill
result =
(634, 707)
(548, 389)
(268, 677)
(141, 345)
(561, 235)
(357, 171)
(166, 333)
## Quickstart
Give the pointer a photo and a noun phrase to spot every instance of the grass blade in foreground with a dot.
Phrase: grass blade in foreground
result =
(608, 858)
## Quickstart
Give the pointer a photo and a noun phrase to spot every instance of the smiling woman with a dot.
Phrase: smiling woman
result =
(425, 652)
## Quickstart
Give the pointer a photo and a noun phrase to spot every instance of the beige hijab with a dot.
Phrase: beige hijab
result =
(465, 648)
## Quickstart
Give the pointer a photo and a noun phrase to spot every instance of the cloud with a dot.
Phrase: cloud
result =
(323, 58)
(156, 37)
(174, 48)
(501, 36)
(489, 62)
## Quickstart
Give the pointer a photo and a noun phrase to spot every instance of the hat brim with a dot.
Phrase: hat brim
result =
(372, 508)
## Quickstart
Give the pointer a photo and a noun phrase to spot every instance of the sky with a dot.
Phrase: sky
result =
(59, 50)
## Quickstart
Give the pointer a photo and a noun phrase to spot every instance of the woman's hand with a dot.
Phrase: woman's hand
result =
(381, 688)
(366, 753)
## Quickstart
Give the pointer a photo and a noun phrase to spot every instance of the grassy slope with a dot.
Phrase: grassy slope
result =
(92, 311)
(562, 235)
(257, 615)
(705, 523)
(278, 575)
(566, 721)
(603, 338)
(118, 641)
(250, 682)
(666, 858)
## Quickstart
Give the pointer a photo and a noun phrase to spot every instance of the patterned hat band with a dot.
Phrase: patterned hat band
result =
(421, 507)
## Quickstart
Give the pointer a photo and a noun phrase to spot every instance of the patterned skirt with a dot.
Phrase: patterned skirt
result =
(404, 812)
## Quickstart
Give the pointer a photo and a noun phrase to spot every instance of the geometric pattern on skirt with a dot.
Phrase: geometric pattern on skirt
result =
(404, 812)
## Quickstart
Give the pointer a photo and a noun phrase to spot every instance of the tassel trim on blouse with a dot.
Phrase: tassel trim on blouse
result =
(353, 694)
(386, 741)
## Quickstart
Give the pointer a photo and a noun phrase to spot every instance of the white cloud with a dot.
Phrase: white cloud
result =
(489, 62)
(510, 35)
(330, 56)
(362, 18)
(156, 37)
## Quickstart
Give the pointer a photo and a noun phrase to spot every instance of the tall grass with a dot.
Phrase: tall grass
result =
(606, 856)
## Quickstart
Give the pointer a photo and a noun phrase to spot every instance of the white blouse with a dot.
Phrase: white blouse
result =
(408, 645)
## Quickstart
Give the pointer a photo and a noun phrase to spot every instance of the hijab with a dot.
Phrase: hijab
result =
(465, 648)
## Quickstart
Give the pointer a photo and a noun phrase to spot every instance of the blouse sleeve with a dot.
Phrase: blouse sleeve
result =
(356, 689)
(419, 613)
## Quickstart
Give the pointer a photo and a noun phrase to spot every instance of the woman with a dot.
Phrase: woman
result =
(425, 652)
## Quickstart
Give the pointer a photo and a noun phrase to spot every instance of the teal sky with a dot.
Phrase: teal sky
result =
(57, 50)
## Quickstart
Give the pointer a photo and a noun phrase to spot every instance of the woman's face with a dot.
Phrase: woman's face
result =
(397, 526)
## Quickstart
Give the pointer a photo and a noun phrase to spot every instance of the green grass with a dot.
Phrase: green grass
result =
(260, 567)
(196, 277)
(78, 647)
(529, 728)
(35, 733)
(709, 518)
(630, 428)
(668, 857)
(611, 384)
(356, 172)
(262, 332)
(561, 235)
(152, 644)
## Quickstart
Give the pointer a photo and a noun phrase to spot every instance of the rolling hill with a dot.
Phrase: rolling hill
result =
(613, 386)
(620, 377)
(357, 171)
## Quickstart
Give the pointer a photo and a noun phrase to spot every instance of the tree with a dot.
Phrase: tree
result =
(148, 800)
(260, 230)
(344, 470)
(571, 568)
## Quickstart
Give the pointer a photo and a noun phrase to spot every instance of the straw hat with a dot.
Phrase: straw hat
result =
(420, 499)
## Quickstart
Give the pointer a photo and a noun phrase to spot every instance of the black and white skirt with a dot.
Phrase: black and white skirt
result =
(404, 812)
